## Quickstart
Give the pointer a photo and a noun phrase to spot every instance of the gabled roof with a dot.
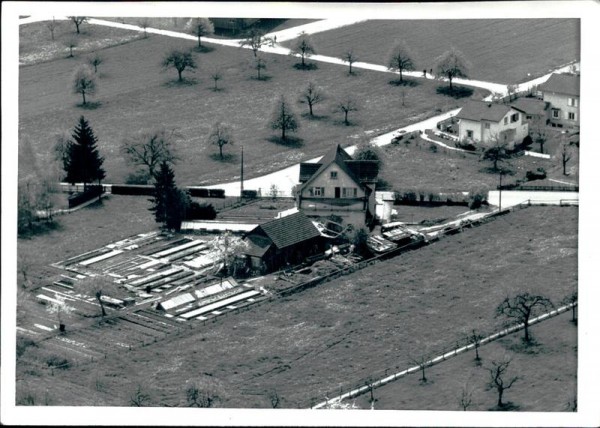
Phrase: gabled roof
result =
(567, 84)
(360, 171)
(286, 231)
(481, 110)
(531, 106)
(257, 245)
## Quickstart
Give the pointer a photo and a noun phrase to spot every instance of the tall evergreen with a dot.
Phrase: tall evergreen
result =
(169, 204)
(82, 162)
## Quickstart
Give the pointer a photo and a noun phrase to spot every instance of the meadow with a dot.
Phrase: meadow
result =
(500, 50)
(134, 94)
(304, 346)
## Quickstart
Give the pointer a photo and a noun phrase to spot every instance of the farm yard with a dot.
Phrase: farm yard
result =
(504, 50)
(152, 314)
(346, 324)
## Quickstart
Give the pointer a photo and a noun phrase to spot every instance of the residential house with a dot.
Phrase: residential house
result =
(562, 92)
(338, 185)
(481, 122)
(536, 111)
(285, 240)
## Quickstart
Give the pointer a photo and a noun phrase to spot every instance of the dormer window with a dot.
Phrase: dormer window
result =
(333, 175)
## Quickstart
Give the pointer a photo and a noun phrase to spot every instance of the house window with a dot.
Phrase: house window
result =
(572, 102)
(528, 117)
(318, 191)
(486, 125)
(514, 117)
(555, 114)
(506, 120)
(571, 116)
(349, 192)
(469, 133)
(333, 175)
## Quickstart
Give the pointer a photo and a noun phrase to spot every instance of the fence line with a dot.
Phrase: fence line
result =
(368, 386)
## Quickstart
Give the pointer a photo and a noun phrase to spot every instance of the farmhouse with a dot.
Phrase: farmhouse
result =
(289, 239)
(338, 185)
(482, 122)
(562, 92)
(536, 111)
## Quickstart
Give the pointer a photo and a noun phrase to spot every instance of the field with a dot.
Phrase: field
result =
(500, 50)
(330, 337)
(131, 80)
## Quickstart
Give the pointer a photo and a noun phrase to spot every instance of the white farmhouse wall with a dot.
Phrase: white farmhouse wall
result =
(483, 135)
(324, 180)
(561, 102)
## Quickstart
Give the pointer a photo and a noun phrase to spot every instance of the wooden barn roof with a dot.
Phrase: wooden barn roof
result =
(289, 230)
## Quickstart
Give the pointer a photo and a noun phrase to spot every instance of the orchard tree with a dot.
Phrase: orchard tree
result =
(82, 162)
(256, 39)
(346, 105)
(148, 149)
(499, 380)
(200, 27)
(216, 76)
(283, 118)
(400, 59)
(71, 42)
(52, 26)
(571, 299)
(303, 47)
(78, 20)
(522, 308)
(169, 204)
(84, 82)
(496, 151)
(451, 64)
(220, 135)
(179, 60)
(312, 95)
(95, 61)
(259, 64)
(350, 57)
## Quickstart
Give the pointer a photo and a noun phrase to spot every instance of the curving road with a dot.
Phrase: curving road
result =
(287, 178)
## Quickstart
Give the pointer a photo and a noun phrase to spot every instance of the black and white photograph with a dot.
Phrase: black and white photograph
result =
(300, 214)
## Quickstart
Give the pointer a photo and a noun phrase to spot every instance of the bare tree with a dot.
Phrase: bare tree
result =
(259, 64)
(496, 151)
(303, 47)
(255, 39)
(95, 61)
(78, 20)
(200, 27)
(312, 95)
(346, 105)
(350, 57)
(422, 362)
(144, 23)
(216, 76)
(52, 26)
(84, 82)
(522, 308)
(498, 380)
(150, 148)
(71, 42)
(565, 156)
(466, 397)
(198, 398)
(400, 59)
(179, 60)
(475, 338)
(451, 64)
(220, 135)
(139, 398)
(571, 299)
(283, 118)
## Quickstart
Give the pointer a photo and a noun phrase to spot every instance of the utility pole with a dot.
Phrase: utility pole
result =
(242, 175)
(500, 193)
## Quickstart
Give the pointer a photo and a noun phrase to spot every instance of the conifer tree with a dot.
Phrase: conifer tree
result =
(82, 162)
(169, 204)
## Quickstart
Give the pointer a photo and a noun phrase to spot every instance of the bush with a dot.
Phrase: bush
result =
(90, 193)
(23, 343)
(198, 211)
(476, 198)
(58, 362)
(538, 174)
(433, 148)
(465, 145)
(249, 194)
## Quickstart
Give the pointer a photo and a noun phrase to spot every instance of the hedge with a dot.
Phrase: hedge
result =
(90, 193)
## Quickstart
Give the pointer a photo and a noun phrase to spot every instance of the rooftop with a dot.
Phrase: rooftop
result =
(531, 106)
(286, 231)
(481, 110)
(567, 84)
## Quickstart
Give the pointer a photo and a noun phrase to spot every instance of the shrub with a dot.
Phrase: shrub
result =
(476, 198)
(433, 148)
(197, 211)
(538, 174)
(465, 145)
(58, 362)
(249, 194)
(23, 343)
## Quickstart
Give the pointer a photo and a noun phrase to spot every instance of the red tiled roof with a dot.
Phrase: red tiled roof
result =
(567, 84)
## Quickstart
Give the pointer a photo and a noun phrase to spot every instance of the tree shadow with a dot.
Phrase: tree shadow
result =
(405, 82)
(204, 49)
(229, 158)
(263, 78)
(456, 92)
(491, 170)
(341, 122)
(314, 117)
(212, 88)
(90, 105)
(185, 81)
(506, 407)
(293, 142)
(306, 66)
(531, 348)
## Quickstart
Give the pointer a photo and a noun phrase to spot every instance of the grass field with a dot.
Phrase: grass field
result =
(134, 94)
(339, 332)
(547, 373)
(500, 50)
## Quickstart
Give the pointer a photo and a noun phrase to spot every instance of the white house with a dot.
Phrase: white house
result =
(481, 122)
(562, 92)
